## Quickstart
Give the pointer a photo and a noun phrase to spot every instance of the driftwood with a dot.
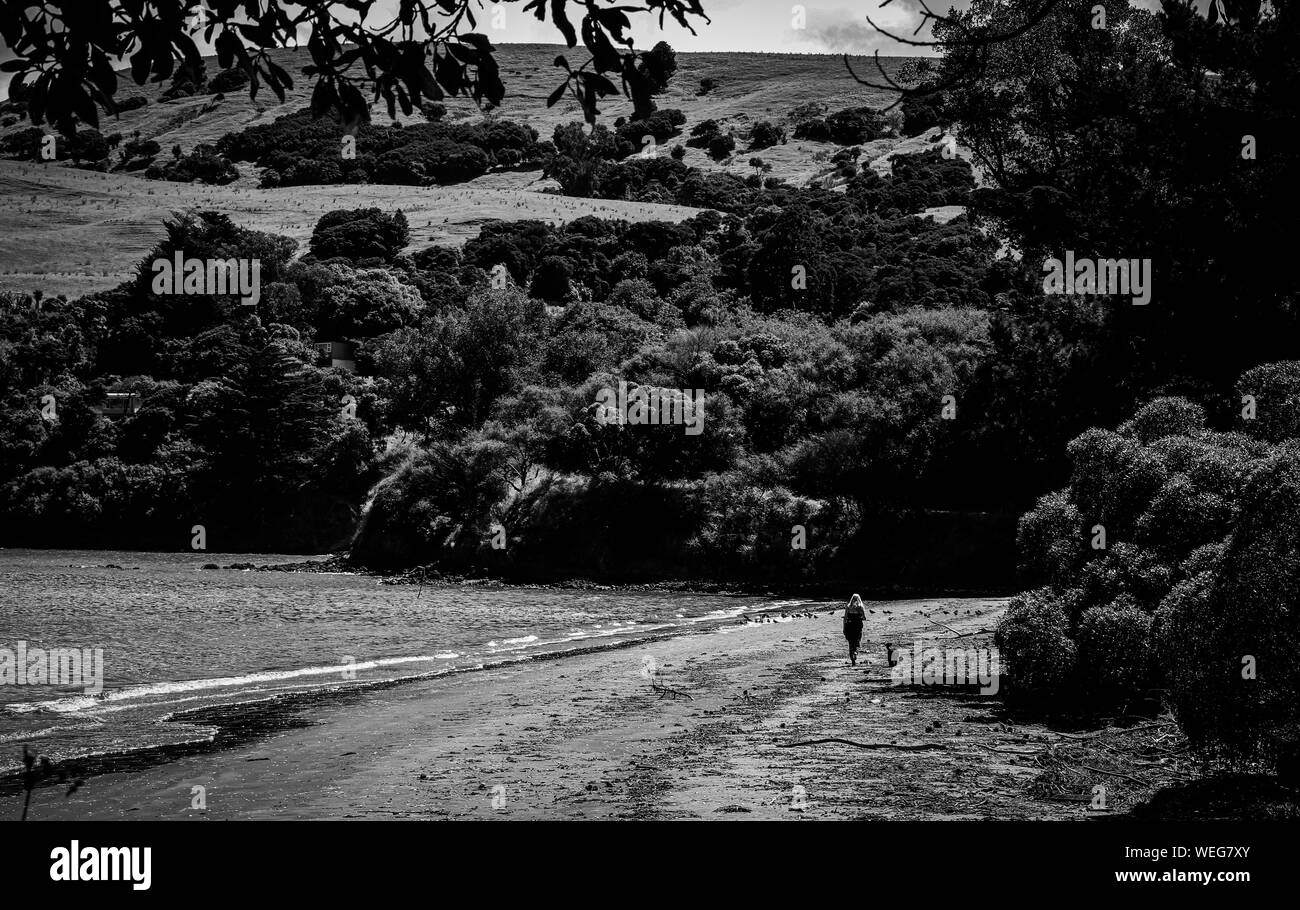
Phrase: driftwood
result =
(668, 690)
(1014, 751)
(1136, 780)
(1118, 732)
(849, 742)
(956, 634)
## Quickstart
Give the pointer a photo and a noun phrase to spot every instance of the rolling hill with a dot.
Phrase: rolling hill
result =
(72, 231)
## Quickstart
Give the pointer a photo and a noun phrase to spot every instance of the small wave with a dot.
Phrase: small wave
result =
(75, 703)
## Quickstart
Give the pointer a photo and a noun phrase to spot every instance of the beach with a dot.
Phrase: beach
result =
(693, 726)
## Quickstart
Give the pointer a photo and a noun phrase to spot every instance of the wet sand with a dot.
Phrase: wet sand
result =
(589, 736)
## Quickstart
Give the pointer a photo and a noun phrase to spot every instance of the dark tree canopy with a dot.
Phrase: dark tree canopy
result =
(65, 53)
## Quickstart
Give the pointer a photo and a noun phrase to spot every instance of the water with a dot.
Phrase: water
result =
(176, 637)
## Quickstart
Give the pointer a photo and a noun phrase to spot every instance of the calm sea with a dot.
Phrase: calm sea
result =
(176, 637)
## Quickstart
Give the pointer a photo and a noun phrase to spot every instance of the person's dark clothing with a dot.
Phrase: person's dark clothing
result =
(853, 632)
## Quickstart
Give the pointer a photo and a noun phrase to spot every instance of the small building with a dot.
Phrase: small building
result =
(341, 354)
(120, 404)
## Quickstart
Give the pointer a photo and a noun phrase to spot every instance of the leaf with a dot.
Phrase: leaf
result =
(561, 20)
(226, 45)
(324, 97)
(83, 106)
(556, 95)
(284, 78)
(603, 53)
(140, 65)
(429, 85)
(481, 42)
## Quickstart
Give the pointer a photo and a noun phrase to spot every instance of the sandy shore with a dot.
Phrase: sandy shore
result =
(588, 737)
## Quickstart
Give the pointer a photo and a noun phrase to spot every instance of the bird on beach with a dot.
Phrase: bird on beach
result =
(889, 654)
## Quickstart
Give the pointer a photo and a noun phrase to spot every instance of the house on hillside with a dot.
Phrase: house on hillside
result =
(341, 354)
(120, 404)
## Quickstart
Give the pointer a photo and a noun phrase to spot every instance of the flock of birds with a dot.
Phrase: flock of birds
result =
(758, 618)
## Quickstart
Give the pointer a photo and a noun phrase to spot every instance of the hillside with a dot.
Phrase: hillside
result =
(72, 231)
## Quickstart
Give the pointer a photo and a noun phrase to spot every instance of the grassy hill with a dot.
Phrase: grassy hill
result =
(71, 231)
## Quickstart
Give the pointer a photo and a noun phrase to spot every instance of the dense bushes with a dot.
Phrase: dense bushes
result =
(1172, 560)
(358, 234)
(299, 149)
(203, 165)
(764, 134)
(851, 126)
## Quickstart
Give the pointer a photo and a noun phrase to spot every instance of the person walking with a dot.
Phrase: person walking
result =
(855, 615)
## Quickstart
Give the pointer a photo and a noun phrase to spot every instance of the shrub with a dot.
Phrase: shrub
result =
(1241, 610)
(1199, 579)
(228, 80)
(1050, 539)
(359, 234)
(1276, 390)
(1038, 657)
(1115, 654)
(765, 134)
(203, 165)
(721, 146)
(1164, 417)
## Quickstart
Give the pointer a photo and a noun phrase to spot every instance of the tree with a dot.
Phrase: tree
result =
(722, 145)
(359, 234)
(765, 134)
(658, 65)
(427, 50)
(88, 145)
(551, 280)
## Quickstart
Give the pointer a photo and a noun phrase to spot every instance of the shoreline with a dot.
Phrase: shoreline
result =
(337, 563)
(737, 722)
(424, 575)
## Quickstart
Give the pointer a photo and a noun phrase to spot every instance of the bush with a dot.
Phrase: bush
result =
(1038, 657)
(1238, 612)
(721, 146)
(1115, 654)
(1164, 417)
(1203, 534)
(358, 234)
(228, 80)
(1051, 540)
(1276, 390)
(203, 165)
(851, 126)
(764, 135)
(140, 148)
